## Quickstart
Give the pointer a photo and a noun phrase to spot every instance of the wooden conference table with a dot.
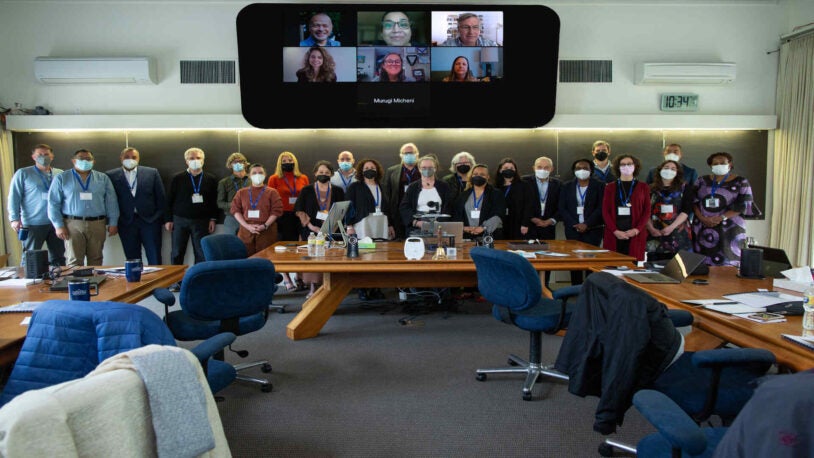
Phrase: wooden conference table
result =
(387, 267)
(728, 328)
(115, 288)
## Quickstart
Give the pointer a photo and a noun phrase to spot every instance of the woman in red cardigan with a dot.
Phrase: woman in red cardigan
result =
(626, 209)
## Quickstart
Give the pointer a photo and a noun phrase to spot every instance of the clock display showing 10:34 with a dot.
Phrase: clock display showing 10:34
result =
(679, 102)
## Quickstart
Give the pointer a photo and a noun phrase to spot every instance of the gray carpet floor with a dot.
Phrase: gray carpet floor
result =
(380, 382)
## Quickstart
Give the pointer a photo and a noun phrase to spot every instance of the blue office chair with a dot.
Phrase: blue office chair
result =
(223, 296)
(66, 340)
(221, 247)
(513, 286)
(776, 421)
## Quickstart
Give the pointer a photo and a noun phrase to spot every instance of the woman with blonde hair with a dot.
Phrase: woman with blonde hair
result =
(288, 181)
(318, 66)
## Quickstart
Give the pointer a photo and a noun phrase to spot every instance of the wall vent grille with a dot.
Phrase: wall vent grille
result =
(208, 72)
(586, 71)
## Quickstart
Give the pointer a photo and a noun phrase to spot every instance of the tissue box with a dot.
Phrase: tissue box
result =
(367, 244)
(790, 284)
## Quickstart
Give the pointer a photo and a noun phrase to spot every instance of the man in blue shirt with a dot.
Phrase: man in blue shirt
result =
(320, 29)
(672, 152)
(80, 201)
(469, 33)
(28, 205)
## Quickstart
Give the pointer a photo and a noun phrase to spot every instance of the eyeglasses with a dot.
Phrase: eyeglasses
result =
(393, 62)
(403, 24)
(469, 28)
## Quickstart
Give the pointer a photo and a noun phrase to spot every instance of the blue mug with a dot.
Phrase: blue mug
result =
(22, 234)
(132, 270)
(79, 289)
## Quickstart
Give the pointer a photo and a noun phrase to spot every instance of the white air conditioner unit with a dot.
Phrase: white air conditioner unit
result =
(95, 70)
(686, 73)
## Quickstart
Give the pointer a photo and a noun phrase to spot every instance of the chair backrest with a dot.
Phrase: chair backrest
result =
(222, 290)
(68, 339)
(220, 247)
(506, 279)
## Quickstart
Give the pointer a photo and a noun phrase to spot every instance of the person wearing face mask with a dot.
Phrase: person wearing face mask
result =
(480, 206)
(346, 174)
(229, 186)
(256, 208)
(289, 181)
(368, 215)
(580, 208)
(516, 194)
(721, 201)
(28, 205)
(427, 195)
(192, 208)
(671, 203)
(459, 169)
(626, 209)
(543, 201)
(603, 171)
(396, 180)
(79, 202)
(141, 198)
(672, 152)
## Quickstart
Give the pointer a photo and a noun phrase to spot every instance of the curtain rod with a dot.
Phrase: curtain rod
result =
(806, 29)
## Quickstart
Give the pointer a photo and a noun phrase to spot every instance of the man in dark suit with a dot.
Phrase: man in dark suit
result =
(142, 202)
(544, 201)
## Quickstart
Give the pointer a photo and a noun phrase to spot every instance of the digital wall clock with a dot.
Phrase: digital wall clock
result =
(679, 102)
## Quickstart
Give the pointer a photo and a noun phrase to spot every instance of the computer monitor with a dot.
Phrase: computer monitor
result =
(336, 220)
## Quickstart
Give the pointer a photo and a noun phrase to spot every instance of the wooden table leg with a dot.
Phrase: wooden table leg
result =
(318, 309)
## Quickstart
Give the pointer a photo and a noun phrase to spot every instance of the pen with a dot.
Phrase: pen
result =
(724, 303)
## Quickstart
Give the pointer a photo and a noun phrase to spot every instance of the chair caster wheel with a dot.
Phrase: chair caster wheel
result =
(480, 377)
(605, 449)
(280, 310)
(266, 368)
(527, 396)
(512, 362)
(267, 388)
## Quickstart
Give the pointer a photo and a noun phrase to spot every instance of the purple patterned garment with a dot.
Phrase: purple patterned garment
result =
(721, 244)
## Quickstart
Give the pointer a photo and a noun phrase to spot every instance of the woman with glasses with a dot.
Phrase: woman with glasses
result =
(428, 195)
(480, 206)
(460, 71)
(396, 29)
(318, 66)
(460, 166)
(391, 70)
(671, 204)
(626, 209)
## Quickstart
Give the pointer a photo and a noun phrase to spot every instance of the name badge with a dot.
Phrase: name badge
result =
(405, 187)
(197, 198)
(666, 208)
(712, 202)
(580, 210)
(507, 212)
(322, 215)
(85, 196)
(292, 200)
(378, 211)
(623, 211)
(45, 196)
(474, 214)
(542, 208)
(254, 213)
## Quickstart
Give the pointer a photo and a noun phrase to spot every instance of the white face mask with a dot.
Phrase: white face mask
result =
(582, 174)
(542, 174)
(195, 164)
(720, 169)
(668, 174)
(258, 179)
(627, 170)
(129, 164)
(671, 157)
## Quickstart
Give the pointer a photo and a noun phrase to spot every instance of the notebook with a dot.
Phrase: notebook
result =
(62, 283)
(775, 261)
(675, 271)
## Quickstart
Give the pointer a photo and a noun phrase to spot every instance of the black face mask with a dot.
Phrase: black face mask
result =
(477, 180)
(287, 167)
(601, 156)
(463, 168)
(508, 173)
(370, 174)
(323, 178)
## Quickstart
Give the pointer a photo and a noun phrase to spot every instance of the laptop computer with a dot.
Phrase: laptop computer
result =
(62, 283)
(675, 271)
(775, 261)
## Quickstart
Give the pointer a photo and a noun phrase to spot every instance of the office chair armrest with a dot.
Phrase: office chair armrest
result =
(732, 357)
(164, 296)
(215, 344)
(674, 425)
(566, 292)
(680, 318)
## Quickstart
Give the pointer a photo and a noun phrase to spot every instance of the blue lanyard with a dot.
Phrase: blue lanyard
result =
(46, 181)
(292, 190)
(378, 197)
(319, 199)
(345, 183)
(543, 197)
(79, 179)
(460, 182)
(602, 174)
(716, 185)
(132, 184)
(409, 175)
(505, 193)
(477, 201)
(196, 189)
(581, 195)
(625, 201)
(238, 183)
(253, 203)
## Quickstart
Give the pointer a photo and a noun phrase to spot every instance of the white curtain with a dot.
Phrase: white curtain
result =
(6, 172)
(793, 182)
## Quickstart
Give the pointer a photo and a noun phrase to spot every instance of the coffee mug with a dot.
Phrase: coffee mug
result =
(132, 270)
(23, 233)
(79, 289)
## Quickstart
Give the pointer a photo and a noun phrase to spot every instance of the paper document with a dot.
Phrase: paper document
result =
(762, 317)
(16, 282)
(705, 302)
(551, 253)
(734, 308)
(525, 254)
(21, 307)
(807, 342)
(590, 251)
(762, 299)
(120, 271)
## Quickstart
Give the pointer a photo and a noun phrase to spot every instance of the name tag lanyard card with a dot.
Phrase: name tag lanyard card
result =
(624, 209)
(197, 198)
(543, 196)
(84, 194)
(292, 190)
(322, 214)
(253, 211)
(712, 202)
(46, 182)
(581, 203)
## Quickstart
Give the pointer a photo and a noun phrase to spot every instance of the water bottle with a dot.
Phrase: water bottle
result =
(808, 307)
(320, 245)
(312, 244)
